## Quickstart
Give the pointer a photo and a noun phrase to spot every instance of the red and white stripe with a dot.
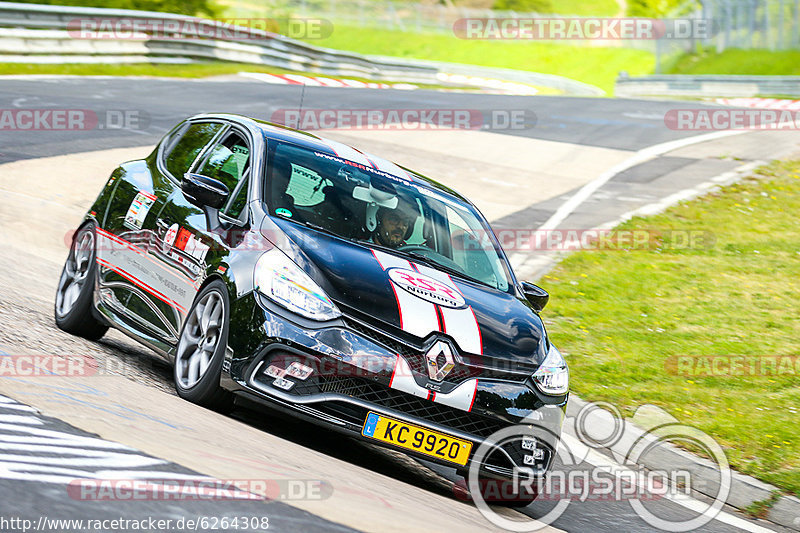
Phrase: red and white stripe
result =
(348, 152)
(388, 166)
(461, 324)
(316, 81)
(112, 250)
(417, 316)
(761, 103)
(462, 397)
(421, 318)
(357, 156)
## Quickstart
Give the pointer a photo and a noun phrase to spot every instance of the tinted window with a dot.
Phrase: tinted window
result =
(238, 201)
(184, 152)
(229, 162)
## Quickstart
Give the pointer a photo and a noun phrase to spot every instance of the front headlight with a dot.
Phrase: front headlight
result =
(283, 282)
(552, 377)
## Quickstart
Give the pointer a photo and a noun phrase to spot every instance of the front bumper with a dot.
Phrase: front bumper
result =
(355, 372)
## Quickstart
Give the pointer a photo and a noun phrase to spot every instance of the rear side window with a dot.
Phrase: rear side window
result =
(185, 151)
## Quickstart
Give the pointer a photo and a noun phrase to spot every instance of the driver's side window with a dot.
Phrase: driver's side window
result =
(188, 147)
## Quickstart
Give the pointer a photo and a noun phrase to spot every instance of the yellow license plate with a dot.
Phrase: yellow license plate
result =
(415, 438)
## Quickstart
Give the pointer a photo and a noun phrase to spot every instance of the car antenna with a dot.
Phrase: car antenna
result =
(302, 98)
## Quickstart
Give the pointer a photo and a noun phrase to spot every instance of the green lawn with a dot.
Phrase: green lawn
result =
(252, 8)
(623, 318)
(600, 8)
(193, 70)
(754, 62)
(594, 65)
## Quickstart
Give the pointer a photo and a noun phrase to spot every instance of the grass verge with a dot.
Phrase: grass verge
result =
(597, 66)
(190, 70)
(747, 62)
(253, 8)
(624, 317)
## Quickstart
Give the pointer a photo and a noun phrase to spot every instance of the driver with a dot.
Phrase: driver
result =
(394, 225)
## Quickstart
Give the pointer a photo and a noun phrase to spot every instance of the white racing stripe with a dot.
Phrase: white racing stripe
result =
(417, 316)
(403, 380)
(462, 397)
(388, 166)
(461, 324)
(347, 152)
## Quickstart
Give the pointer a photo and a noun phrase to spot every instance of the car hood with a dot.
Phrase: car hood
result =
(415, 301)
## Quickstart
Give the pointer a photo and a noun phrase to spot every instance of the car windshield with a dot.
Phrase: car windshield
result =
(378, 209)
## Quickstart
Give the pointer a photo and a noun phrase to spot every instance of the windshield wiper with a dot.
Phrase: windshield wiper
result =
(422, 259)
(317, 227)
(374, 245)
(450, 270)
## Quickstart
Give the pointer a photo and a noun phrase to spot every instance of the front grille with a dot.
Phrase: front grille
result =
(378, 394)
(416, 357)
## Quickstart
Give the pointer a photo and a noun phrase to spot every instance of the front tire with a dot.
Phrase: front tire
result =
(201, 349)
(73, 305)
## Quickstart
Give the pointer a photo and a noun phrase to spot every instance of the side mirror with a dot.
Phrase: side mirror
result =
(207, 193)
(536, 295)
(204, 191)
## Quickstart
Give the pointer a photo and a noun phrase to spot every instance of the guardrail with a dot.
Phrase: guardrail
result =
(34, 33)
(707, 86)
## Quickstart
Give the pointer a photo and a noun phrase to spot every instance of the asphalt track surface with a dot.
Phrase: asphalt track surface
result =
(610, 123)
(617, 124)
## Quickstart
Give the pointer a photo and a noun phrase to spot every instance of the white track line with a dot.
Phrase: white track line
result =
(601, 461)
(645, 154)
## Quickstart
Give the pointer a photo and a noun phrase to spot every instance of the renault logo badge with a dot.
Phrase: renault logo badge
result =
(440, 360)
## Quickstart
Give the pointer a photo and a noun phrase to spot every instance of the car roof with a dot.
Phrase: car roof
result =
(279, 132)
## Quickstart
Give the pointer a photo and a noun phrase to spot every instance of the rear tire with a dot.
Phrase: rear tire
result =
(73, 308)
(201, 349)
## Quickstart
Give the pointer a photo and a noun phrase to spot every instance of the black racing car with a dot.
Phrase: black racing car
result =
(331, 284)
